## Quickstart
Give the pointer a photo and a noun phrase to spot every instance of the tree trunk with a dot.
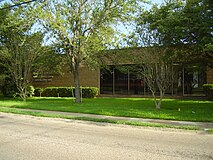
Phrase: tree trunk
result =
(157, 102)
(76, 83)
(23, 94)
(158, 106)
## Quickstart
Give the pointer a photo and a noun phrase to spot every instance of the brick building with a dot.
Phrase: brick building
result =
(187, 80)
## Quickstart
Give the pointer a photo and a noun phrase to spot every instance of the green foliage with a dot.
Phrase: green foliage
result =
(2, 80)
(38, 91)
(30, 91)
(65, 91)
(9, 88)
(83, 28)
(186, 26)
(49, 62)
(50, 92)
(208, 89)
(20, 47)
(87, 92)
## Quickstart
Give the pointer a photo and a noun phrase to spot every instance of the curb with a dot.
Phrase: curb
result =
(201, 125)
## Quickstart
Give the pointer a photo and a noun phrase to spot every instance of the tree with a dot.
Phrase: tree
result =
(20, 47)
(157, 70)
(186, 26)
(156, 56)
(176, 31)
(19, 54)
(84, 27)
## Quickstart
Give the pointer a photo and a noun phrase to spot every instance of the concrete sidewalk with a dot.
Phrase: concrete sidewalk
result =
(202, 125)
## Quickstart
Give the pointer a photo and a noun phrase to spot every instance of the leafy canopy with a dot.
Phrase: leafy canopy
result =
(186, 26)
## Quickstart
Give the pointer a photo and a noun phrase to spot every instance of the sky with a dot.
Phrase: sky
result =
(153, 1)
(121, 28)
(129, 28)
(157, 1)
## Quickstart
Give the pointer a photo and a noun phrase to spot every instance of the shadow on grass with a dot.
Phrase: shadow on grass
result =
(191, 110)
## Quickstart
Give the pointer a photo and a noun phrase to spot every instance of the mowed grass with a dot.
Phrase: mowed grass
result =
(172, 109)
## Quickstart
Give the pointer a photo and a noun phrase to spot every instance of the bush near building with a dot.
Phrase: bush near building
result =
(87, 92)
(208, 89)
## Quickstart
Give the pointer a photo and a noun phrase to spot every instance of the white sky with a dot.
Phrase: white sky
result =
(157, 1)
(126, 29)
(121, 28)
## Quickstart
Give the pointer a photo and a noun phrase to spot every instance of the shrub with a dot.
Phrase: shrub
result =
(50, 92)
(65, 91)
(30, 91)
(208, 89)
(9, 88)
(38, 92)
(87, 92)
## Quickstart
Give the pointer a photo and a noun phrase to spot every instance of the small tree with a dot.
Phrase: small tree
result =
(155, 60)
(157, 71)
(154, 63)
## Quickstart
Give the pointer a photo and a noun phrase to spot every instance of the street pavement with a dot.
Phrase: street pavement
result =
(35, 138)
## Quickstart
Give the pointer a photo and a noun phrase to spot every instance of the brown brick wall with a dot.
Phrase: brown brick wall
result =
(210, 75)
(88, 78)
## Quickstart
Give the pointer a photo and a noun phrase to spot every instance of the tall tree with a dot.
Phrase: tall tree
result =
(84, 27)
(19, 54)
(187, 26)
(19, 47)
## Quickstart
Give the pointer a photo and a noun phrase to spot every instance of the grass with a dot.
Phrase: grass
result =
(132, 123)
(172, 109)
(210, 131)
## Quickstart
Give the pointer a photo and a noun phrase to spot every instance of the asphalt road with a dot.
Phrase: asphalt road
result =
(33, 138)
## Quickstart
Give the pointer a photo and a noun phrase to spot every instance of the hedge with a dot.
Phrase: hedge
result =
(87, 92)
(38, 91)
(208, 89)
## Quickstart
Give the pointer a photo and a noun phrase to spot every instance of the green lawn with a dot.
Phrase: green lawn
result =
(191, 110)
